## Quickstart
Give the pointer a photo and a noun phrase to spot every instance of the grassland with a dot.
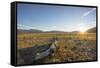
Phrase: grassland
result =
(70, 47)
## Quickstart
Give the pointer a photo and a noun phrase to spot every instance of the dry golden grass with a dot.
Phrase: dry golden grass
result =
(70, 47)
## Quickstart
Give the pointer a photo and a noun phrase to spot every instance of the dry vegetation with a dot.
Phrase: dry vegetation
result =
(70, 47)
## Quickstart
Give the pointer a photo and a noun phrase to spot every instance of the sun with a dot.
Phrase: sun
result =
(82, 30)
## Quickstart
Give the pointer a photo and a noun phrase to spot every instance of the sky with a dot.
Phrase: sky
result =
(59, 18)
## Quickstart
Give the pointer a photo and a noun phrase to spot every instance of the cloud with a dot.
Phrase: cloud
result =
(88, 12)
(80, 24)
(24, 26)
(54, 26)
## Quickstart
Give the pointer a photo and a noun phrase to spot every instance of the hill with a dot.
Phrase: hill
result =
(91, 30)
(29, 31)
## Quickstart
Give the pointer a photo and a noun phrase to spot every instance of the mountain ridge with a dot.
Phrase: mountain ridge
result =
(91, 30)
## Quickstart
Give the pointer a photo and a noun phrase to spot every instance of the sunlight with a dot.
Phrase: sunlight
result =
(82, 30)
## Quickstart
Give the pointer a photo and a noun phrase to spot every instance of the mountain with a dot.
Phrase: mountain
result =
(91, 30)
(55, 31)
(74, 32)
(29, 31)
(36, 31)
